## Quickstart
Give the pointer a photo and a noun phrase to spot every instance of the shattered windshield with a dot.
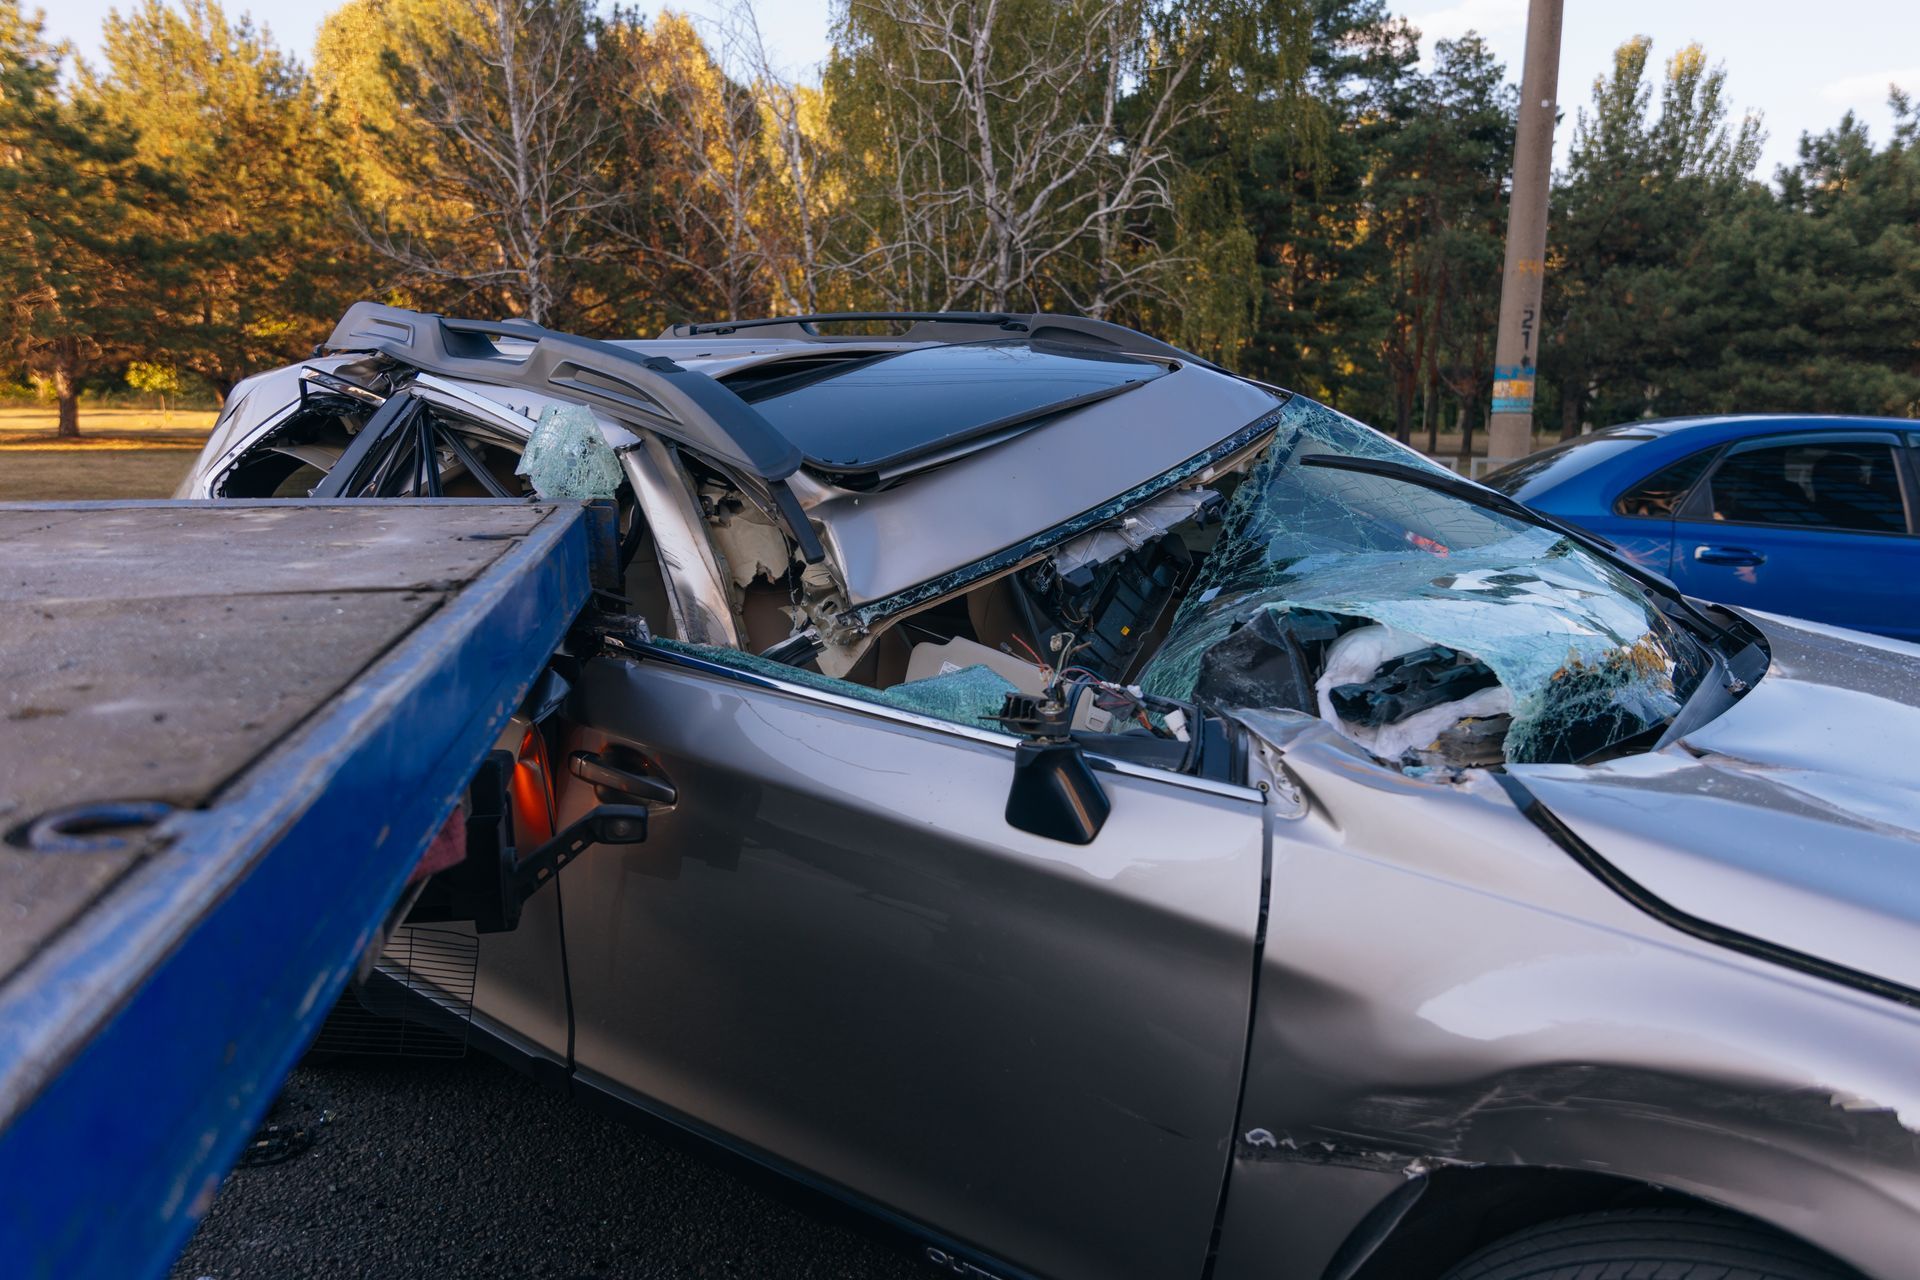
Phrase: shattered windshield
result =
(1424, 628)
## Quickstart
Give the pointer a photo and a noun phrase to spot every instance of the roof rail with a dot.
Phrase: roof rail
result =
(952, 326)
(678, 403)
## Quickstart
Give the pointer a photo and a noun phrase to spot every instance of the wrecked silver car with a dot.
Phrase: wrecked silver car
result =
(1113, 819)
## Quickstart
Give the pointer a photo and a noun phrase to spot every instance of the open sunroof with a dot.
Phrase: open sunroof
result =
(878, 413)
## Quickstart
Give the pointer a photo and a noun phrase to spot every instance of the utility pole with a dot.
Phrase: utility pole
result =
(1517, 344)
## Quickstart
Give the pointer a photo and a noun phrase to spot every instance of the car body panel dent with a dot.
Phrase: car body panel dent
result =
(1332, 994)
(1793, 816)
(878, 541)
(1289, 1219)
(1451, 988)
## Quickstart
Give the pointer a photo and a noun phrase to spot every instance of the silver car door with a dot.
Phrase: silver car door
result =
(834, 952)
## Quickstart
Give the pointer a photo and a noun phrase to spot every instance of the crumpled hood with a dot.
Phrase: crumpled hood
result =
(1794, 817)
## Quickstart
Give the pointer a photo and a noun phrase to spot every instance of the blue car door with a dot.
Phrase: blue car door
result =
(1815, 525)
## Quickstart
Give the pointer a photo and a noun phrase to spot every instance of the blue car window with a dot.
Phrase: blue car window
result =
(1661, 493)
(1551, 467)
(1840, 486)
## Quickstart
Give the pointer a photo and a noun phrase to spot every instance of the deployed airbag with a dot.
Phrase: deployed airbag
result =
(1395, 693)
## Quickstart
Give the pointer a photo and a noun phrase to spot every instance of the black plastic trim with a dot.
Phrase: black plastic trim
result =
(686, 406)
(806, 324)
(953, 326)
(392, 415)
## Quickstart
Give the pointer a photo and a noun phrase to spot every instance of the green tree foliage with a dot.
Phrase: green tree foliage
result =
(1629, 242)
(1028, 153)
(1313, 204)
(482, 134)
(79, 209)
(1284, 185)
(1472, 110)
(723, 164)
(230, 119)
(1443, 215)
(1810, 300)
(161, 380)
(1380, 222)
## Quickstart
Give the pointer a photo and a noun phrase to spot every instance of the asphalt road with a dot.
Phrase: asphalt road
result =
(466, 1169)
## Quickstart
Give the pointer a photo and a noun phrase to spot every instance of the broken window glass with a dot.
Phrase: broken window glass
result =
(568, 457)
(970, 695)
(1423, 627)
(416, 453)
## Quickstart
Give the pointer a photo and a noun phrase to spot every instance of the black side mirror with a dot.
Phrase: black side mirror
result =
(1055, 792)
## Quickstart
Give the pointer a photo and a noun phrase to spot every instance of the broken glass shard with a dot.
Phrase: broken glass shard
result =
(567, 457)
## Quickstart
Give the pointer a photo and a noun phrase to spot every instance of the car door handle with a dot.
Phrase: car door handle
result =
(1728, 555)
(588, 767)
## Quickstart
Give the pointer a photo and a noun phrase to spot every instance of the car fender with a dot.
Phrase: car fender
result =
(1456, 993)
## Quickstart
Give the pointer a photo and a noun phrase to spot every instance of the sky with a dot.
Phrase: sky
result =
(1799, 75)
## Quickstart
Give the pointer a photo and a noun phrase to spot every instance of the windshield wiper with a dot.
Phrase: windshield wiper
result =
(1500, 504)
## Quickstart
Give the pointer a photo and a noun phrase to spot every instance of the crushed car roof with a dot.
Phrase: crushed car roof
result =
(698, 409)
(686, 405)
(692, 388)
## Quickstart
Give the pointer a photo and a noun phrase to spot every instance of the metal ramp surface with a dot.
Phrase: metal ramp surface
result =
(227, 733)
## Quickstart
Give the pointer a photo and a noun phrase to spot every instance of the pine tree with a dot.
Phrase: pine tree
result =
(266, 261)
(78, 256)
(1628, 237)
(1812, 297)
(1311, 191)
(1450, 164)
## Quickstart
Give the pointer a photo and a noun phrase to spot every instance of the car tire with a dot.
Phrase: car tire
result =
(1673, 1244)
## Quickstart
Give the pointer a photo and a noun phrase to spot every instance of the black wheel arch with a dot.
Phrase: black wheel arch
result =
(1440, 1218)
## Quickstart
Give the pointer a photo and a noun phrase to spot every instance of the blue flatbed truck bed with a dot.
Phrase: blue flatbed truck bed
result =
(227, 734)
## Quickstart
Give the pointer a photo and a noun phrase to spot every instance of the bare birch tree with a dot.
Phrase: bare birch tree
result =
(498, 134)
(1018, 151)
(793, 118)
(738, 154)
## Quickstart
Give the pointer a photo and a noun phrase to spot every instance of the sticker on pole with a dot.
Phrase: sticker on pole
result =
(1513, 388)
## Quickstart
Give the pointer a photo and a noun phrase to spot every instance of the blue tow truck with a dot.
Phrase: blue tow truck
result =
(228, 733)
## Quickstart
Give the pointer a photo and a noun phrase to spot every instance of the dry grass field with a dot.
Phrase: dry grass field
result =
(121, 453)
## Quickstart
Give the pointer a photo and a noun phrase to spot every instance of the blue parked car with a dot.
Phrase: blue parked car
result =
(1811, 517)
